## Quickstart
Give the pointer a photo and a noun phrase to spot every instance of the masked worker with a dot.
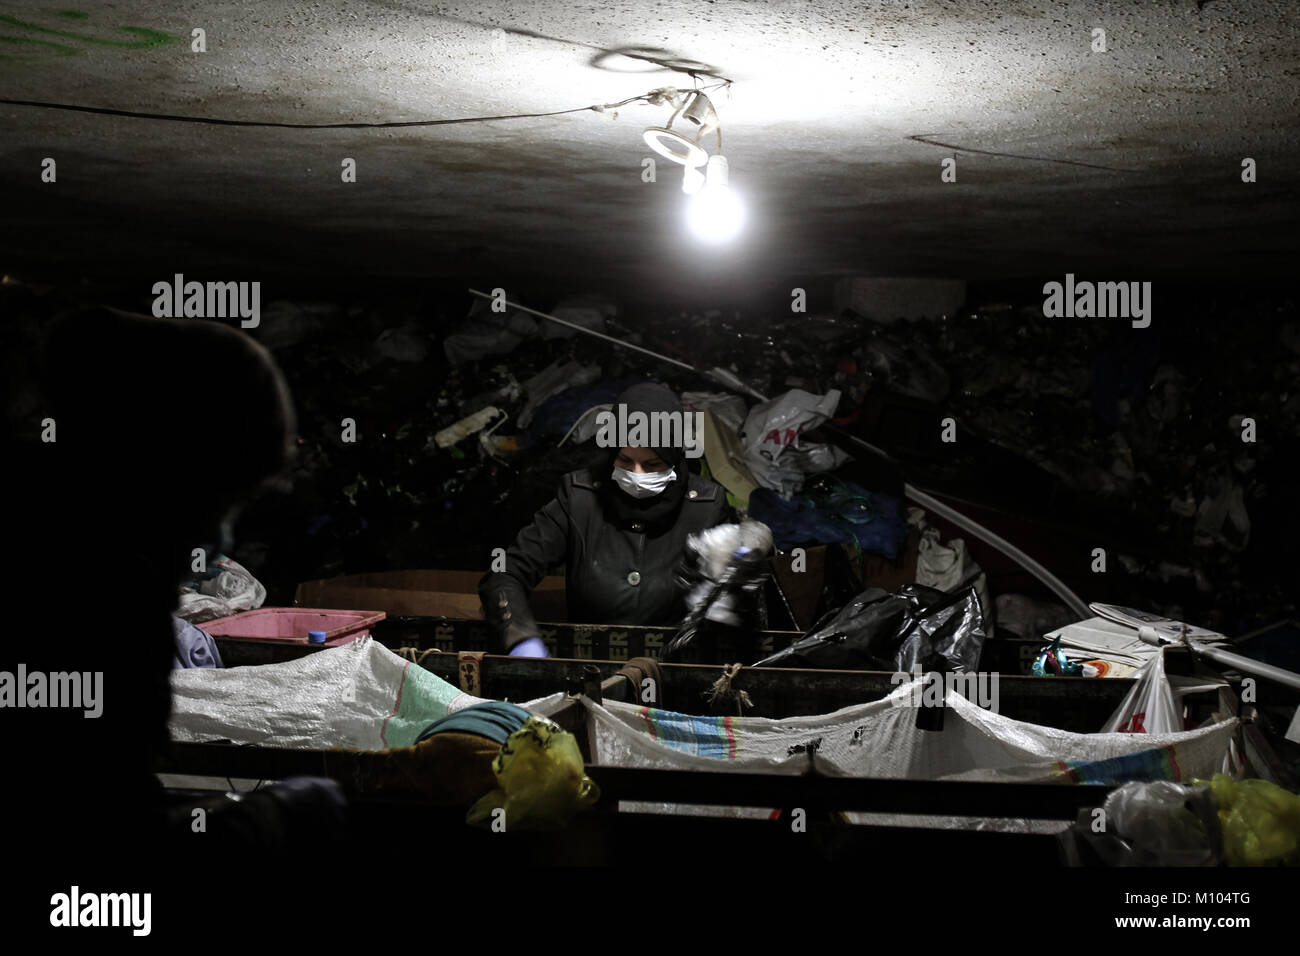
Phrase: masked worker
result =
(620, 531)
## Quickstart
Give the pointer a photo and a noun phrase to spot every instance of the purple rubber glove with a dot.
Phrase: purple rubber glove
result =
(532, 647)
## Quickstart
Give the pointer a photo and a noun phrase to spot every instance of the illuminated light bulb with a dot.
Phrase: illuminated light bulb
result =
(715, 213)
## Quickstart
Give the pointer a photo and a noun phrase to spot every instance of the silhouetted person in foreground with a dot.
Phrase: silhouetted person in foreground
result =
(161, 429)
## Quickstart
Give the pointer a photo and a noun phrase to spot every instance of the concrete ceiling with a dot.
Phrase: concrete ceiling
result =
(1122, 165)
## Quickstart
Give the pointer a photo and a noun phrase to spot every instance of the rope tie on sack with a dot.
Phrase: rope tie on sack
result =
(722, 689)
(415, 655)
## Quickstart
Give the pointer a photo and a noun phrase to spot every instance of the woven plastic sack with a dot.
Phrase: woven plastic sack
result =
(360, 695)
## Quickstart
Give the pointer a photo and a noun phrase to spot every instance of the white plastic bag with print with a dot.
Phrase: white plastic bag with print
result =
(1149, 707)
(773, 452)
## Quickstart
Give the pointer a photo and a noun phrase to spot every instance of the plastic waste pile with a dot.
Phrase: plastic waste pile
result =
(1203, 823)
(915, 630)
(396, 437)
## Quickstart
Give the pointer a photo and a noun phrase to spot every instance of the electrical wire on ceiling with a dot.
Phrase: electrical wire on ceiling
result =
(653, 98)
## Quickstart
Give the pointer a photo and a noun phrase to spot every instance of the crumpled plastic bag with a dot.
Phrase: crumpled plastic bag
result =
(486, 333)
(1221, 519)
(915, 629)
(1160, 823)
(773, 452)
(552, 380)
(1200, 823)
(729, 408)
(1149, 707)
(723, 571)
(907, 368)
(1260, 821)
(406, 343)
(541, 781)
(229, 589)
(590, 311)
(950, 567)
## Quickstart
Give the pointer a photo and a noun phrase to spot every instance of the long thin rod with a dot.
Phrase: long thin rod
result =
(1059, 588)
(600, 335)
(1247, 665)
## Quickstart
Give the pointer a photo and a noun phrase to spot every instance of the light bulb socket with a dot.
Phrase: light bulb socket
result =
(699, 110)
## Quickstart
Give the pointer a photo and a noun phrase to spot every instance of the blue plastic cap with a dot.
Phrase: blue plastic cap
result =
(315, 637)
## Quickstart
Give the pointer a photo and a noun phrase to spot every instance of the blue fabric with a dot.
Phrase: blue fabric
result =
(557, 414)
(193, 646)
(494, 719)
(845, 512)
(793, 522)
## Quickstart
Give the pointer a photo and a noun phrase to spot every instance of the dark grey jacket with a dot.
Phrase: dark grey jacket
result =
(615, 571)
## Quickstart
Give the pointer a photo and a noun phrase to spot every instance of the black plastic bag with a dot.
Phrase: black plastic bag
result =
(916, 628)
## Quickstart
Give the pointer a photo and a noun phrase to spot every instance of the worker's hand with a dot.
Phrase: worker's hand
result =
(532, 647)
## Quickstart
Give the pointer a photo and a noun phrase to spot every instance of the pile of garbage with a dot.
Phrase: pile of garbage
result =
(1220, 821)
(430, 434)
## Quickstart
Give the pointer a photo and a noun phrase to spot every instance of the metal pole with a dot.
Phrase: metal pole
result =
(579, 328)
(1224, 658)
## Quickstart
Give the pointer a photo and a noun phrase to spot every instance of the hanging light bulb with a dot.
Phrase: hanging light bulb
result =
(715, 213)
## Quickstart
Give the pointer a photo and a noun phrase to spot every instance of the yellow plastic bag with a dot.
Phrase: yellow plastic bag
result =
(1260, 820)
(541, 781)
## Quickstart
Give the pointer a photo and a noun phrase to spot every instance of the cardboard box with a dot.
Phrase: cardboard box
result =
(803, 589)
(880, 572)
(424, 593)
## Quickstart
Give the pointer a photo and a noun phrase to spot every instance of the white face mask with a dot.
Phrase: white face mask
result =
(644, 486)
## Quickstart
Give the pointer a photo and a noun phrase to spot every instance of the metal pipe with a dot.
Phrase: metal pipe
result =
(1247, 665)
(1059, 588)
(1223, 658)
(579, 328)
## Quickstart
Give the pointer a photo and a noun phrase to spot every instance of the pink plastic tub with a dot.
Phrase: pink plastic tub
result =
(289, 625)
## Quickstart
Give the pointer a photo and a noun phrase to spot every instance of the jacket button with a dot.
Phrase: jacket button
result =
(506, 616)
(638, 526)
(595, 484)
(634, 578)
(501, 601)
(692, 493)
